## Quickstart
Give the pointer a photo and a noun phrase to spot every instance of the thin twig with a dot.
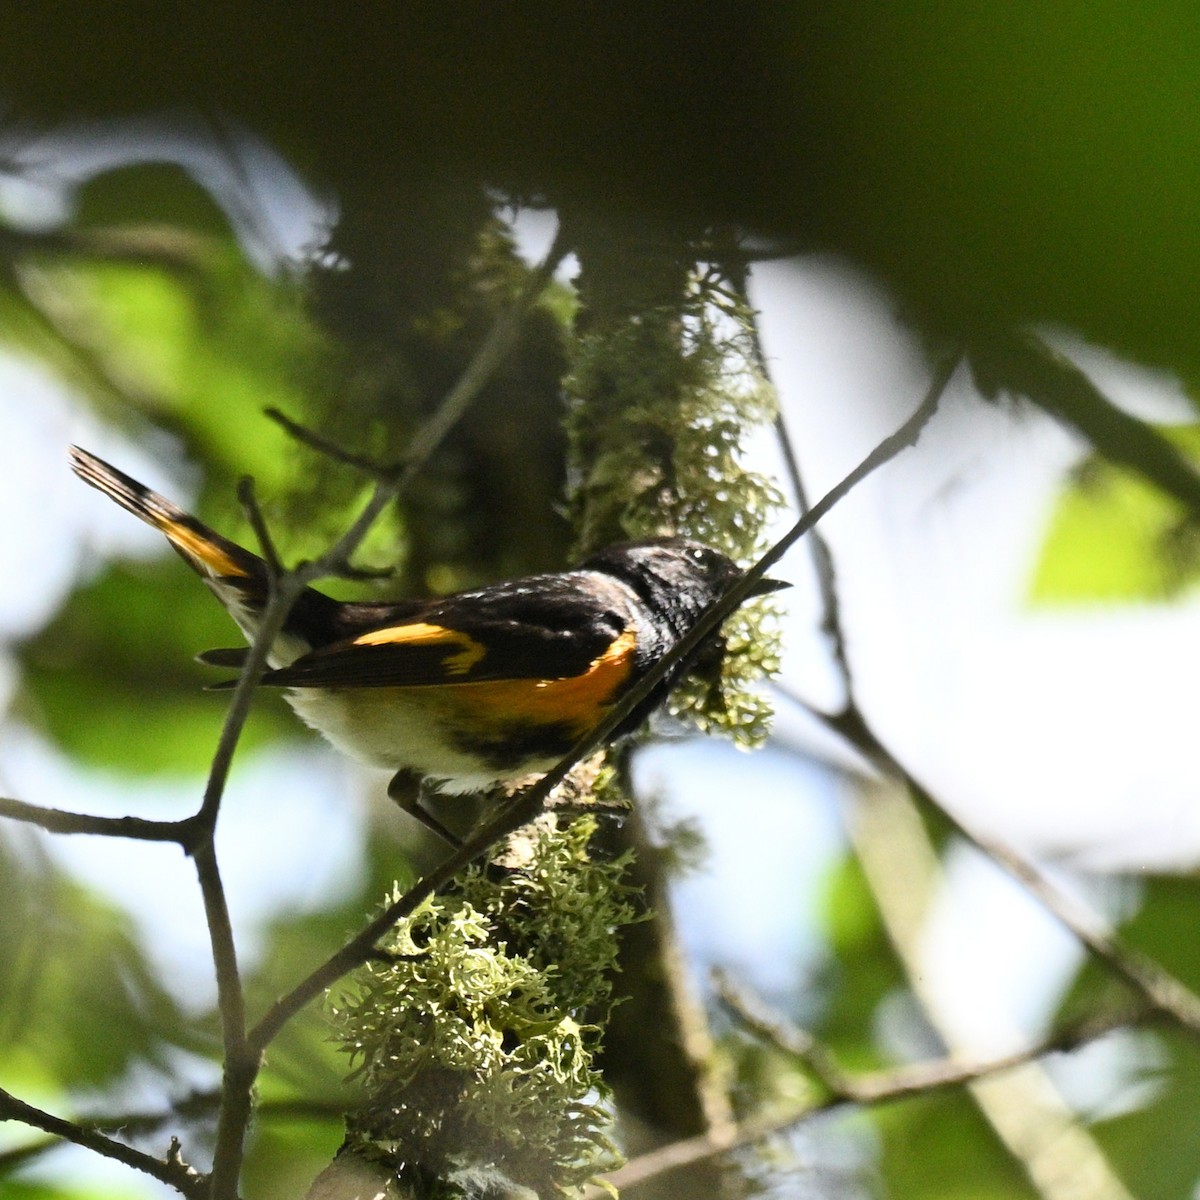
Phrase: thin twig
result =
(822, 558)
(1021, 361)
(195, 1105)
(239, 1068)
(1160, 989)
(170, 1171)
(524, 807)
(876, 1088)
(914, 1078)
(266, 543)
(1148, 978)
(57, 820)
(769, 1026)
(491, 354)
(331, 450)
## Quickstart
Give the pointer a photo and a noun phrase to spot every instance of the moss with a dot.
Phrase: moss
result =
(474, 1036)
(662, 396)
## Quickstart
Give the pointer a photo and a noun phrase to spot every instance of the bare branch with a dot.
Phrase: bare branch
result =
(1145, 975)
(315, 441)
(57, 820)
(239, 1068)
(1020, 361)
(170, 1170)
(1148, 978)
(190, 1107)
(249, 503)
(822, 560)
(916, 1078)
(491, 354)
(876, 1088)
(752, 1013)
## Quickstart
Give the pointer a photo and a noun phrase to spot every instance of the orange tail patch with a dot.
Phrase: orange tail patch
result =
(205, 551)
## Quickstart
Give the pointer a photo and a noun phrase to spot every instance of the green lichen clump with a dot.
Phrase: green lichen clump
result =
(474, 1039)
(663, 397)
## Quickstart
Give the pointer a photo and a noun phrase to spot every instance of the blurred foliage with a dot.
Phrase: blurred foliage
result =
(1153, 1137)
(112, 678)
(82, 1006)
(862, 971)
(940, 1148)
(1114, 538)
(408, 302)
(993, 163)
(994, 166)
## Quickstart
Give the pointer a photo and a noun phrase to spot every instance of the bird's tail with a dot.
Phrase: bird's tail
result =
(237, 576)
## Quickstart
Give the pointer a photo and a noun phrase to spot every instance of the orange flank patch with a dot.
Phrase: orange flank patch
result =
(578, 701)
(198, 547)
(421, 634)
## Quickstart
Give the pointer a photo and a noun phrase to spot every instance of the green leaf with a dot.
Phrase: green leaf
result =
(284, 1157)
(940, 1147)
(1114, 538)
(113, 682)
(1156, 1146)
(79, 1004)
(863, 971)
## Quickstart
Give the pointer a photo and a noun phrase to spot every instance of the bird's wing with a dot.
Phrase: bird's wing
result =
(547, 627)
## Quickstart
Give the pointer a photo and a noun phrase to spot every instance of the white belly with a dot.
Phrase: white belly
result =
(397, 729)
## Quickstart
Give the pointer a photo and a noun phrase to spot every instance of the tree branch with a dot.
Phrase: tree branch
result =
(1160, 989)
(875, 1088)
(1145, 975)
(1021, 362)
(170, 1170)
(822, 558)
(192, 1106)
(913, 1079)
(57, 820)
(239, 1068)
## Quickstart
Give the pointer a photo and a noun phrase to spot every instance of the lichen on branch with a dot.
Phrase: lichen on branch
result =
(664, 390)
(474, 1034)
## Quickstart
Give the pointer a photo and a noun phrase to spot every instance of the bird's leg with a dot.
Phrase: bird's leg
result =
(408, 792)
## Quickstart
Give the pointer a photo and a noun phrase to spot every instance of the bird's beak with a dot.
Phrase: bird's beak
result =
(767, 585)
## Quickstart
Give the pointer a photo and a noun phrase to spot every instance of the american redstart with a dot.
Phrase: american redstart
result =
(471, 690)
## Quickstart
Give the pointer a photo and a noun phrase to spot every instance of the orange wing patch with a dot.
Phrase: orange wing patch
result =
(196, 546)
(578, 701)
(421, 634)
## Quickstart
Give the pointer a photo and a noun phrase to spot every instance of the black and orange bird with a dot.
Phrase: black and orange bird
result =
(472, 690)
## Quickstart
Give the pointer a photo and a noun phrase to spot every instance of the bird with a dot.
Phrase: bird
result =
(471, 690)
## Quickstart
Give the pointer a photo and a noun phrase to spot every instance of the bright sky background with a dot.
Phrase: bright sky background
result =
(1065, 732)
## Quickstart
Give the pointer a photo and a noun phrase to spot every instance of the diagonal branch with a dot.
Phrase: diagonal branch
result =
(822, 558)
(491, 354)
(524, 807)
(911, 1079)
(170, 1170)
(1160, 989)
(1020, 361)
